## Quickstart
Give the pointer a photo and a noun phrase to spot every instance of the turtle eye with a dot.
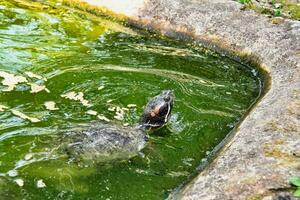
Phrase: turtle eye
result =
(167, 98)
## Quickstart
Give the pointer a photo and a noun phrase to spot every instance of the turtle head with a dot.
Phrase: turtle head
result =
(158, 110)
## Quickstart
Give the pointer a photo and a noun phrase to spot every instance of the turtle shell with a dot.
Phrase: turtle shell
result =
(101, 142)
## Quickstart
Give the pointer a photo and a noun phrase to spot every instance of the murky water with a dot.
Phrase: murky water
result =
(112, 66)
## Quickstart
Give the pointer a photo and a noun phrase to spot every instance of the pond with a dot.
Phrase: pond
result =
(49, 51)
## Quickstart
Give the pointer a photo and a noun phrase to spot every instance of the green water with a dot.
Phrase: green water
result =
(79, 52)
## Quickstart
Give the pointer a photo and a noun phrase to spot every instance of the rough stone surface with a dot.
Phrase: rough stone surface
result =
(265, 150)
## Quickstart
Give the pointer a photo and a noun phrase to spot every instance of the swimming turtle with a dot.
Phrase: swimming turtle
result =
(99, 141)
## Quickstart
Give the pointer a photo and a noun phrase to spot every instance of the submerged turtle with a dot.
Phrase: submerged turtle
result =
(101, 142)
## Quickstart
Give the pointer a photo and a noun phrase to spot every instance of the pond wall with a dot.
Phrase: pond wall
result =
(264, 151)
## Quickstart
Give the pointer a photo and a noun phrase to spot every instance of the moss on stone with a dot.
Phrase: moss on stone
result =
(257, 196)
(294, 10)
(274, 150)
(95, 10)
(284, 8)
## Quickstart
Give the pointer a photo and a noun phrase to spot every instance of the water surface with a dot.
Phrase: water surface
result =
(113, 66)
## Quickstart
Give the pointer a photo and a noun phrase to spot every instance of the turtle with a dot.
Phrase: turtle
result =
(101, 142)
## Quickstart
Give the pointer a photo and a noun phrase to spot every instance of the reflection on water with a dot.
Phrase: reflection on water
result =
(79, 68)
